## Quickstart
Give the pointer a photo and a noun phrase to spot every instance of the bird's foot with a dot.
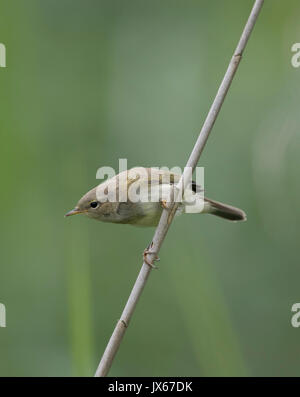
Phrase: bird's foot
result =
(164, 204)
(150, 263)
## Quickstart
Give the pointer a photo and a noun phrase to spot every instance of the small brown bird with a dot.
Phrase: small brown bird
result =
(145, 191)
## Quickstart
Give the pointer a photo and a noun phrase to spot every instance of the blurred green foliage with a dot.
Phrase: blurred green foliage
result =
(89, 82)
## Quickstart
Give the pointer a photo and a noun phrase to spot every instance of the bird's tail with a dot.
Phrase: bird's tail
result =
(225, 211)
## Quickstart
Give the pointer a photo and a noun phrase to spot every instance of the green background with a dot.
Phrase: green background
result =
(89, 82)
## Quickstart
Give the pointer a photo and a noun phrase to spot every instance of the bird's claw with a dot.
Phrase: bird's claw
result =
(156, 258)
(164, 204)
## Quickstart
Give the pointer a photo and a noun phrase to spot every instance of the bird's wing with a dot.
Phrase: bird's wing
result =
(161, 177)
(141, 178)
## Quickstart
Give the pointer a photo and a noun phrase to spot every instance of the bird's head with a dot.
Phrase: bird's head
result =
(88, 205)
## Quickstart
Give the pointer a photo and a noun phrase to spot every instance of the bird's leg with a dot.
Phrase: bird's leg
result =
(151, 264)
(148, 251)
(164, 204)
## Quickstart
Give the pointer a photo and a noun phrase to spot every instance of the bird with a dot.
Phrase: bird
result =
(145, 191)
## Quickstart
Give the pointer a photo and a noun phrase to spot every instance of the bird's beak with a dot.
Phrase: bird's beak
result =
(74, 211)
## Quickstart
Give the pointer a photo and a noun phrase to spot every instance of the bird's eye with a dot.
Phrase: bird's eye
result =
(94, 204)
